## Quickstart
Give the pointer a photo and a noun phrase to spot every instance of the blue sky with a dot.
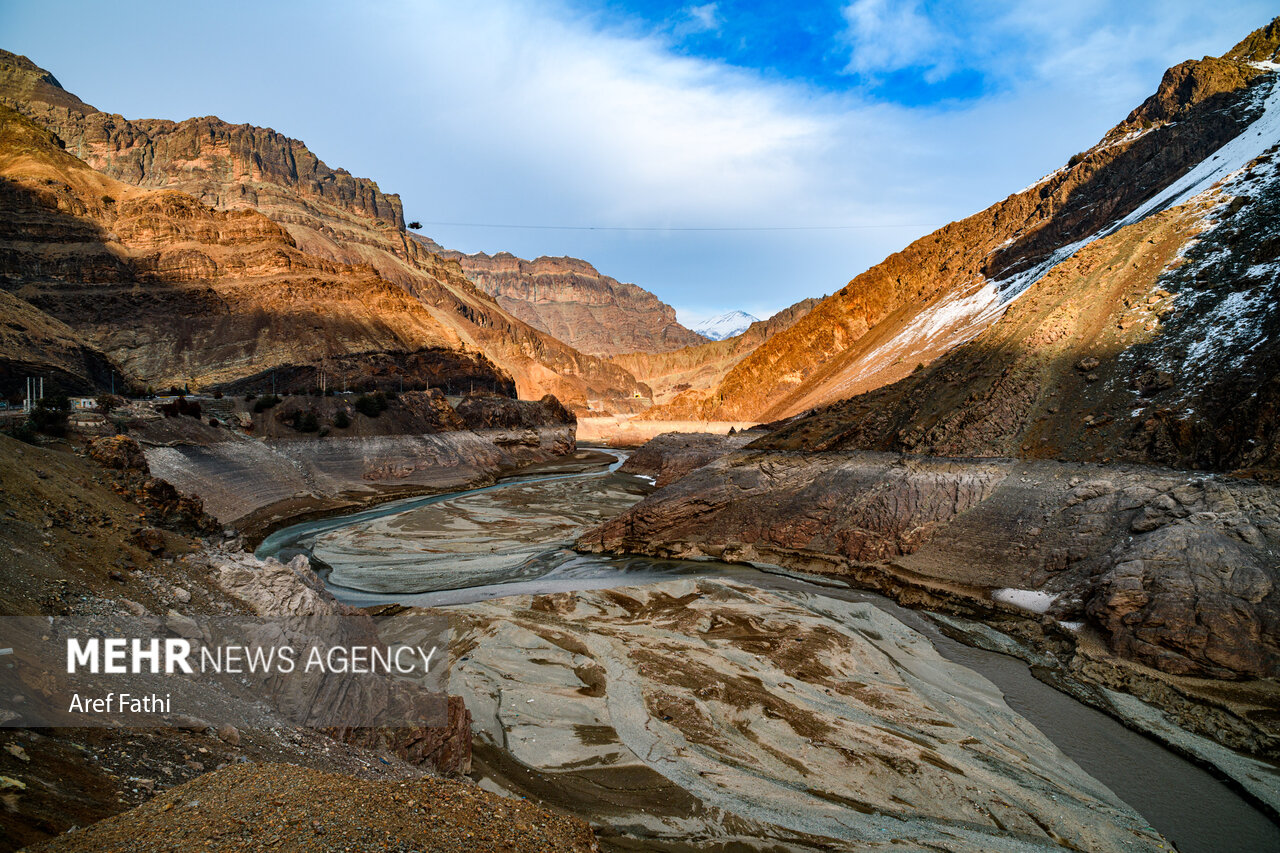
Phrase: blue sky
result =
(890, 117)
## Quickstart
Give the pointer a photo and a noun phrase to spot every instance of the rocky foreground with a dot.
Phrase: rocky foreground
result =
(283, 807)
(1121, 580)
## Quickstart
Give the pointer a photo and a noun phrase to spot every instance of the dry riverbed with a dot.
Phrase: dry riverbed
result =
(711, 710)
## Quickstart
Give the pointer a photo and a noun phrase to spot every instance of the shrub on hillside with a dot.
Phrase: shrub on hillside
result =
(50, 415)
(266, 401)
(371, 405)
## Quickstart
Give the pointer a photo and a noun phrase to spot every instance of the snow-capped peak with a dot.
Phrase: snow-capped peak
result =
(725, 325)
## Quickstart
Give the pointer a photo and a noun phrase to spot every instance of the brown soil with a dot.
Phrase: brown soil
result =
(283, 807)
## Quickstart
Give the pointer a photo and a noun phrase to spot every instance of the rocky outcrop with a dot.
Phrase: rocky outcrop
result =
(571, 300)
(1176, 572)
(485, 411)
(120, 452)
(340, 416)
(312, 454)
(1262, 45)
(672, 455)
(945, 288)
(327, 214)
(256, 484)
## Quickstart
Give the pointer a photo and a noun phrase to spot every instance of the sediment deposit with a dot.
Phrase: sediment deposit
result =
(712, 710)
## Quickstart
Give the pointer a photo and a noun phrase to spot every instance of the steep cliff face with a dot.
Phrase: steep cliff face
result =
(223, 165)
(328, 214)
(946, 288)
(683, 377)
(571, 300)
(175, 292)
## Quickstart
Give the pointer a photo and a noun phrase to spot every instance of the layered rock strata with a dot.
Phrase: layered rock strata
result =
(1174, 570)
(177, 293)
(574, 302)
(326, 213)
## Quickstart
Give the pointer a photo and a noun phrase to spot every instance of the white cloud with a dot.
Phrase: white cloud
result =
(704, 18)
(889, 35)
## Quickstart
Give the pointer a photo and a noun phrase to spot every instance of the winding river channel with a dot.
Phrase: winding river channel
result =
(476, 550)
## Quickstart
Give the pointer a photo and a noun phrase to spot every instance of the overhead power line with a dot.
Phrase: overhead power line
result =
(668, 228)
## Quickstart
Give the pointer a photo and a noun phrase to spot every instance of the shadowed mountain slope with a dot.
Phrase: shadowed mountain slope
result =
(328, 214)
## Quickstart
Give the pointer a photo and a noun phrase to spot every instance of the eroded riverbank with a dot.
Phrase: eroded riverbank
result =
(751, 792)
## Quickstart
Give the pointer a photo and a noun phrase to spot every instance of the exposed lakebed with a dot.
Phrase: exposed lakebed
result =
(680, 705)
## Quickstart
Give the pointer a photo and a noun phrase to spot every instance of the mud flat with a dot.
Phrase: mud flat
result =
(712, 710)
(718, 706)
(471, 539)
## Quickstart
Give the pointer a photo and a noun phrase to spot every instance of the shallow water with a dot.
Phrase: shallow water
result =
(1188, 805)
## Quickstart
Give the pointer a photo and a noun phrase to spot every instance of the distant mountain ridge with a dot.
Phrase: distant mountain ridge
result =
(691, 370)
(572, 300)
(725, 325)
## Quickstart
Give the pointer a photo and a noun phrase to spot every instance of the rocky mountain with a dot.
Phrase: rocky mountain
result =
(1209, 120)
(174, 292)
(1155, 341)
(327, 213)
(1025, 368)
(689, 372)
(725, 325)
(571, 300)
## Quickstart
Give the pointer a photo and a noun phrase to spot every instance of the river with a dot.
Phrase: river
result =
(1186, 804)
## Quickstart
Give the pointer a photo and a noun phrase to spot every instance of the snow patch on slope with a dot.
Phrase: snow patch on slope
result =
(1234, 321)
(1030, 600)
(956, 319)
(1230, 158)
